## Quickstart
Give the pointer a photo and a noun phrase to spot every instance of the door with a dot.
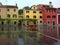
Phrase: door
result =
(58, 19)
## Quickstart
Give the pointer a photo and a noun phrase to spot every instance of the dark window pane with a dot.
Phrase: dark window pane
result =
(14, 10)
(48, 22)
(40, 21)
(0, 17)
(34, 22)
(7, 9)
(0, 10)
(53, 16)
(53, 22)
(8, 15)
(27, 11)
(48, 17)
(27, 16)
(14, 16)
(48, 10)
(34, 16)
(14, 22)
(40, 16)
(34, 11)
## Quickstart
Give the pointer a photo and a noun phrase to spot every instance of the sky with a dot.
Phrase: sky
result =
(23, 3)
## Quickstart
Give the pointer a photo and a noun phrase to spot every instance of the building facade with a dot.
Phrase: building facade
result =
(49, 14)
(33, 13)
(8, 11)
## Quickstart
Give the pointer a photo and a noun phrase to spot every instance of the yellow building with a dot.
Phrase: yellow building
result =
(8, 11)
(33, 12)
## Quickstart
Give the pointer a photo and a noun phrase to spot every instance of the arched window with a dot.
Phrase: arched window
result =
(53, 16)
(2, 22)
(14, 16)
(53, 22)
(15, 22)
(48, 16)
(34, 11)
(40, 11)
(34, 16)
(40, 16)
(27, 16)
(0, 17)
(48, 22)
(8, 15)
(40, 21)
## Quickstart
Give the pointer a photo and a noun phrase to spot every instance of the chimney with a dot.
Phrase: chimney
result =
(16, 4)
(50, 4)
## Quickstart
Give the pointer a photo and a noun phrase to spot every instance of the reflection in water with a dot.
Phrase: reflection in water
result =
(18, 35)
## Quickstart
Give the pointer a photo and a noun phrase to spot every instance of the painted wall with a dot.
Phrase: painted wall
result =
(31, 14)
(45, 14)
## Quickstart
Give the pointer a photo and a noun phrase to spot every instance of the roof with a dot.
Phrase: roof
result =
(44, 5)
(52, 8)
(27, 8)
(47, 6)
(8, 6)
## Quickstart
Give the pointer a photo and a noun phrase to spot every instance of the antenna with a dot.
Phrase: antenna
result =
(15, 3)
(6, 2)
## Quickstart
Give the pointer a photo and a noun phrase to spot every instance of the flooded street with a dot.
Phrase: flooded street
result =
(18, 35)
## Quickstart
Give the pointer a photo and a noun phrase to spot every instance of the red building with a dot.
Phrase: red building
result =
(49, 13)
(58, 16)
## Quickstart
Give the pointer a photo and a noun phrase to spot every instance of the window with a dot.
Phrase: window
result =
(34, 22)
(14, 10)
(40, 11)
(48, 10)
(34, 7)
(14, 16)
(34, 11)
(0, 17)
(53, 22)
(7, 9)
(8, 15)
(0, 10)
(40, 21)
(27, 16)
(48, 16)
(15, 22)
(53, 16)
(54, 10)
(48, 22)
(27, 11)
(34, 16)
(40, 16)
(2, 22)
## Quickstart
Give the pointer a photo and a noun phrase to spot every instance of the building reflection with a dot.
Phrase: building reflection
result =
(53, 33)
(7, 36)
(49, 36)
(43, 36)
